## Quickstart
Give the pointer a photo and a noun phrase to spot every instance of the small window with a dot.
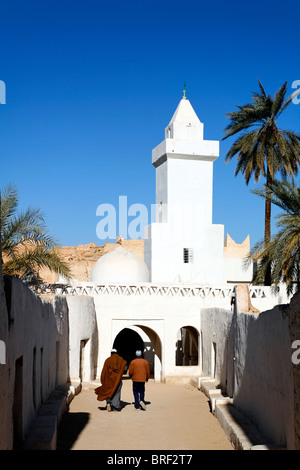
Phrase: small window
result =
(188, 255)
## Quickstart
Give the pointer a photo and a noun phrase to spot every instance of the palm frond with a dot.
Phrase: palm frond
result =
(26, 243)
(282, 251)
(9, 203)
(34, 260)
(278, 99)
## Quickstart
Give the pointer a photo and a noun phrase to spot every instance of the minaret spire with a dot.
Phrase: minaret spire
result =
(184, 91)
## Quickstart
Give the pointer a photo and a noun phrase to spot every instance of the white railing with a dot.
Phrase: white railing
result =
(150, 289)
(147, 289)
(261, 297)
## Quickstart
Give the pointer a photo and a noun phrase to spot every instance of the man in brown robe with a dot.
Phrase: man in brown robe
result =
(111, 381)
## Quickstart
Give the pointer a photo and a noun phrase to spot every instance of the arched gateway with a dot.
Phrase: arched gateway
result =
(134, 337)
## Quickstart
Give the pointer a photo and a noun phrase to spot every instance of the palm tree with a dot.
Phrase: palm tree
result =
(283, 250)
(263, 149)
(26, 244)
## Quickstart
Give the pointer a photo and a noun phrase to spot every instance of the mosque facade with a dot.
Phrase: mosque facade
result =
(155, 304)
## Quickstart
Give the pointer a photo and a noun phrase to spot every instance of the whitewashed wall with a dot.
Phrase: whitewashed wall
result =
(160, 316)
(253, 364)
(83, 338)
(37, 332)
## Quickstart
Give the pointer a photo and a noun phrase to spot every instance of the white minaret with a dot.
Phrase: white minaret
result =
(183, 245)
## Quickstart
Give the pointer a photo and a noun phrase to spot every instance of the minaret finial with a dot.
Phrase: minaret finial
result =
(184, 91)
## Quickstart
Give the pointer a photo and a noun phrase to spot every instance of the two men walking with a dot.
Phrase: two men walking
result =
(111, 381)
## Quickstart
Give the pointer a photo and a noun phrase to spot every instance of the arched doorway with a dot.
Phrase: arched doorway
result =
(187, 350)
(126, 343)
(138, 336)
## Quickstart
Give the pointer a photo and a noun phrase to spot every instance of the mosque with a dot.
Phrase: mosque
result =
(154, 304)
(188, 305)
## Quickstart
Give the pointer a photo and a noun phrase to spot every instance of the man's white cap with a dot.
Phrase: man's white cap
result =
(138, 352)
(114, 350)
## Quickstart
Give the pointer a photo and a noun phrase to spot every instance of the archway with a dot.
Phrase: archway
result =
(187, 349)
(138, 336)
(126, 343)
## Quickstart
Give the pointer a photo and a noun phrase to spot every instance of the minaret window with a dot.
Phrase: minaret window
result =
(188, 255)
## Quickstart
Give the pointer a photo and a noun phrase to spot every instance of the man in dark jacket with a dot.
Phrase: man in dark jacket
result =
(111, 380)
(139, 371)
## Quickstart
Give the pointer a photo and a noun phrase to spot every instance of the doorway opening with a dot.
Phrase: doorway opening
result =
(187, 350)
(127, 342)
(84, 360)
(213, 359)
(144, 338)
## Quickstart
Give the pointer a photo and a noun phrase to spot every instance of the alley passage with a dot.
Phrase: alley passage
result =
(178, 417)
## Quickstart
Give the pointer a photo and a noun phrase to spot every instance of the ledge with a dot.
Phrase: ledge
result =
(43, 432)
(239, 429)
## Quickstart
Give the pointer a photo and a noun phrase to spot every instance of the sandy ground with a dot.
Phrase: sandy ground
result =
(178, 417)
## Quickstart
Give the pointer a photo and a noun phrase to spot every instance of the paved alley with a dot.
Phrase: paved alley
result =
(178, 417)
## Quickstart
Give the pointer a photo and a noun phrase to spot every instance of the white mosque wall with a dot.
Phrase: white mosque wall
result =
(235, 272)
(168, 243)
(188, 184)
(161, 315)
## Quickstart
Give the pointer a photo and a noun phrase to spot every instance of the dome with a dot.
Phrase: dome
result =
(120, 265)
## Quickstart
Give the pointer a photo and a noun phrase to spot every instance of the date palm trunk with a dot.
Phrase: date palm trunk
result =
(267, 237)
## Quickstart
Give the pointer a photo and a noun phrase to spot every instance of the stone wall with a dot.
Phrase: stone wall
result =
(249, 354)
(5, 415)
(36, 334)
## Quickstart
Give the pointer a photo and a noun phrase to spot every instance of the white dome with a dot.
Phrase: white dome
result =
(120, 265)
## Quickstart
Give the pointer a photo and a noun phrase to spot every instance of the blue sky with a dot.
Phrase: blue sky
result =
(91, 86)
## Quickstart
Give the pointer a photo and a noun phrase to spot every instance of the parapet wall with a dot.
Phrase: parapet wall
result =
(261, 297)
